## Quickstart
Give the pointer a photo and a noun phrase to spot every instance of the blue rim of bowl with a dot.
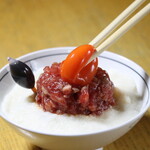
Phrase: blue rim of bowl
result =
(101, 56)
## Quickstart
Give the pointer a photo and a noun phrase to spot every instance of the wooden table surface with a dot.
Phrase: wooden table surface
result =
(30, 25)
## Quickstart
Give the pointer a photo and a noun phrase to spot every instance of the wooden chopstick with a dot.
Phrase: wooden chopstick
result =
(121, 31)
(116, 22)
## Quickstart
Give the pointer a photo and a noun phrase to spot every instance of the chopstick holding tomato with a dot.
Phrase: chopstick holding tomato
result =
(81, 64)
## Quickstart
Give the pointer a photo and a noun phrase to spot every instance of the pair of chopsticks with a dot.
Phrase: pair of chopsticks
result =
(102, 38)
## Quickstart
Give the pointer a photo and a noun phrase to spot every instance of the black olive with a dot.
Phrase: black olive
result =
(21, 73)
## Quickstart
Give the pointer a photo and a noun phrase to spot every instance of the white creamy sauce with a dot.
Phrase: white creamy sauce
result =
(19, 107)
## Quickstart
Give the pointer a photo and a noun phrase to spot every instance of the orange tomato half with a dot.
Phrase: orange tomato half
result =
(74, 69)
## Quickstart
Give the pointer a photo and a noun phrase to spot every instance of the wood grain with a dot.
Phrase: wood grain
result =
(30, 25)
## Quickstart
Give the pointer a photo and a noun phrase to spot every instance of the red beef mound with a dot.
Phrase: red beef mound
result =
(60, 97)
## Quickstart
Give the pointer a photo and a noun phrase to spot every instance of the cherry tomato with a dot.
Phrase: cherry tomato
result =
(74, 69)
(86, 75)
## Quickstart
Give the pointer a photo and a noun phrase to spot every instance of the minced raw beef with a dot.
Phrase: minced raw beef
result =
(60, 97)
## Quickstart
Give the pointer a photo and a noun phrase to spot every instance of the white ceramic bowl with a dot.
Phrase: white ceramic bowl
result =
(90, 141)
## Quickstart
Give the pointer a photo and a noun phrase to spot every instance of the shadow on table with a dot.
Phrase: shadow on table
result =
(36, 148)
